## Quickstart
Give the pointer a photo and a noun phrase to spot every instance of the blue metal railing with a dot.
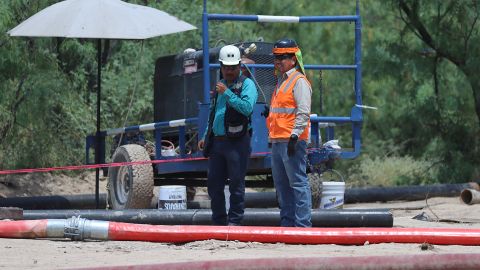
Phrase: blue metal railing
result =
(356, 114)
(155, 127)
(281, 19)
(314, 67)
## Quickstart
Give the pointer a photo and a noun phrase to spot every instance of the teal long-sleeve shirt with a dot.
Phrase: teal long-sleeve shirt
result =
(243, 104)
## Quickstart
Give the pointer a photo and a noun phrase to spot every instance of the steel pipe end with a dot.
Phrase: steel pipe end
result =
(470, 196)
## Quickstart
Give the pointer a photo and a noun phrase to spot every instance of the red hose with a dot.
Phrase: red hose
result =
(181, 234)
(343, 236)
(23, 229)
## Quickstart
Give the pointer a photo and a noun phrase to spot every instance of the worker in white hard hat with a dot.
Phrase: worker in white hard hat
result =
(229, 142)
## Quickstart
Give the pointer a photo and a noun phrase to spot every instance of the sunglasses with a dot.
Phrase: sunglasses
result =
(230, 67)
(282, 56)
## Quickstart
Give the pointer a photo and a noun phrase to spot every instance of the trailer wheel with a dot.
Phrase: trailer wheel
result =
(130, 186)
(316, 189)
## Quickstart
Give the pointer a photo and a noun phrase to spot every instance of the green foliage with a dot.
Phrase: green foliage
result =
(428, 113)
(385, 171)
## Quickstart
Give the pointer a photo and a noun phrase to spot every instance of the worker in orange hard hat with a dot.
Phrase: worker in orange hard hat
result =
(288, 122)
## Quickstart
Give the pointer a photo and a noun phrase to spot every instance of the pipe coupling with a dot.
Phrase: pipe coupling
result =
(78, 229)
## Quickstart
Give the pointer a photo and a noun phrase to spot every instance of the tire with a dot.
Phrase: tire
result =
(316, 189)
(130, 186)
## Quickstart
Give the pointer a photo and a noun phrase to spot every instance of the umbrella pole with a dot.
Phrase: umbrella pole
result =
(97, 135)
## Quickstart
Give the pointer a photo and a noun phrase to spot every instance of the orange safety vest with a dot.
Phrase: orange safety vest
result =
(283, 108)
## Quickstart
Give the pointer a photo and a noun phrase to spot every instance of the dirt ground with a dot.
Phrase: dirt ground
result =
(39, 184)
(64, 254)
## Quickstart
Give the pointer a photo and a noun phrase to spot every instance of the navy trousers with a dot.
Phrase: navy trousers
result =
(228, 160)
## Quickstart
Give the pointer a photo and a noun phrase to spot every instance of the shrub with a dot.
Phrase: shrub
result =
(392, 170)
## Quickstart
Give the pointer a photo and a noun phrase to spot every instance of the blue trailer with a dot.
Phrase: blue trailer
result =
(182, 89)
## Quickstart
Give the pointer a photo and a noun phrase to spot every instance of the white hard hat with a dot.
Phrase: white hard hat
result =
(229, 55)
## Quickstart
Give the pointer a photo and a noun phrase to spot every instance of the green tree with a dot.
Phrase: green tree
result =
(423, 111)
(451, 30)
(418, 57)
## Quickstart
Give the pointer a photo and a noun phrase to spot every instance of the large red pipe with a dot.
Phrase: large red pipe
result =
(343, 236)
(104, 230)
(27, 229)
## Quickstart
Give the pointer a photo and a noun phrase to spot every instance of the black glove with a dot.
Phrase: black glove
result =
(266, 111)
(291, 145)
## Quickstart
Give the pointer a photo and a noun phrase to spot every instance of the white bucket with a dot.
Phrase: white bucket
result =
(172, 197)
(332, 195)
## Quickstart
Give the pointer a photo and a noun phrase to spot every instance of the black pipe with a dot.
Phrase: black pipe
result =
(252, 217)
(252, 200)
(87, 201)
(83, 201)
(261, 200)
(373, 194)
(405, 193)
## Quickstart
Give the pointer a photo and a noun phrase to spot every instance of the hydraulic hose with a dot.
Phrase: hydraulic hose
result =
(252, 217)
(82, 229)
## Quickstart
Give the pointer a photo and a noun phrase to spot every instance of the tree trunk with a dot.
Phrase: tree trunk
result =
(474, 79)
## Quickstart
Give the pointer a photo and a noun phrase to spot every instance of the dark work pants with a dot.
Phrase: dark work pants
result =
(228, 160)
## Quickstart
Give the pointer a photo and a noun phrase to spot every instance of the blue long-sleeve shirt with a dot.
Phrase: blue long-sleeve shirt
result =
(243, 104)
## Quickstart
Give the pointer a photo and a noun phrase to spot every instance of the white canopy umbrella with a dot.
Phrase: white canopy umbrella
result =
(99, 19)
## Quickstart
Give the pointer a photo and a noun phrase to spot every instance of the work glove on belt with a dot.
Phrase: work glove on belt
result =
(292, 143)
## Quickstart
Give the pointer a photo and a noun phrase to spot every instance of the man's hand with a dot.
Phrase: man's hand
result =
(201, 144)
(220, 87)
(291, 145)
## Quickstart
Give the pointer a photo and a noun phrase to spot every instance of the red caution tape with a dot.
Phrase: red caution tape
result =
(107, 165)
(104, 165)
(94, 166)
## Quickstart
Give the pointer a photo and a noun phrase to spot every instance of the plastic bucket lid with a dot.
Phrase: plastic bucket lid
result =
(333, 185)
